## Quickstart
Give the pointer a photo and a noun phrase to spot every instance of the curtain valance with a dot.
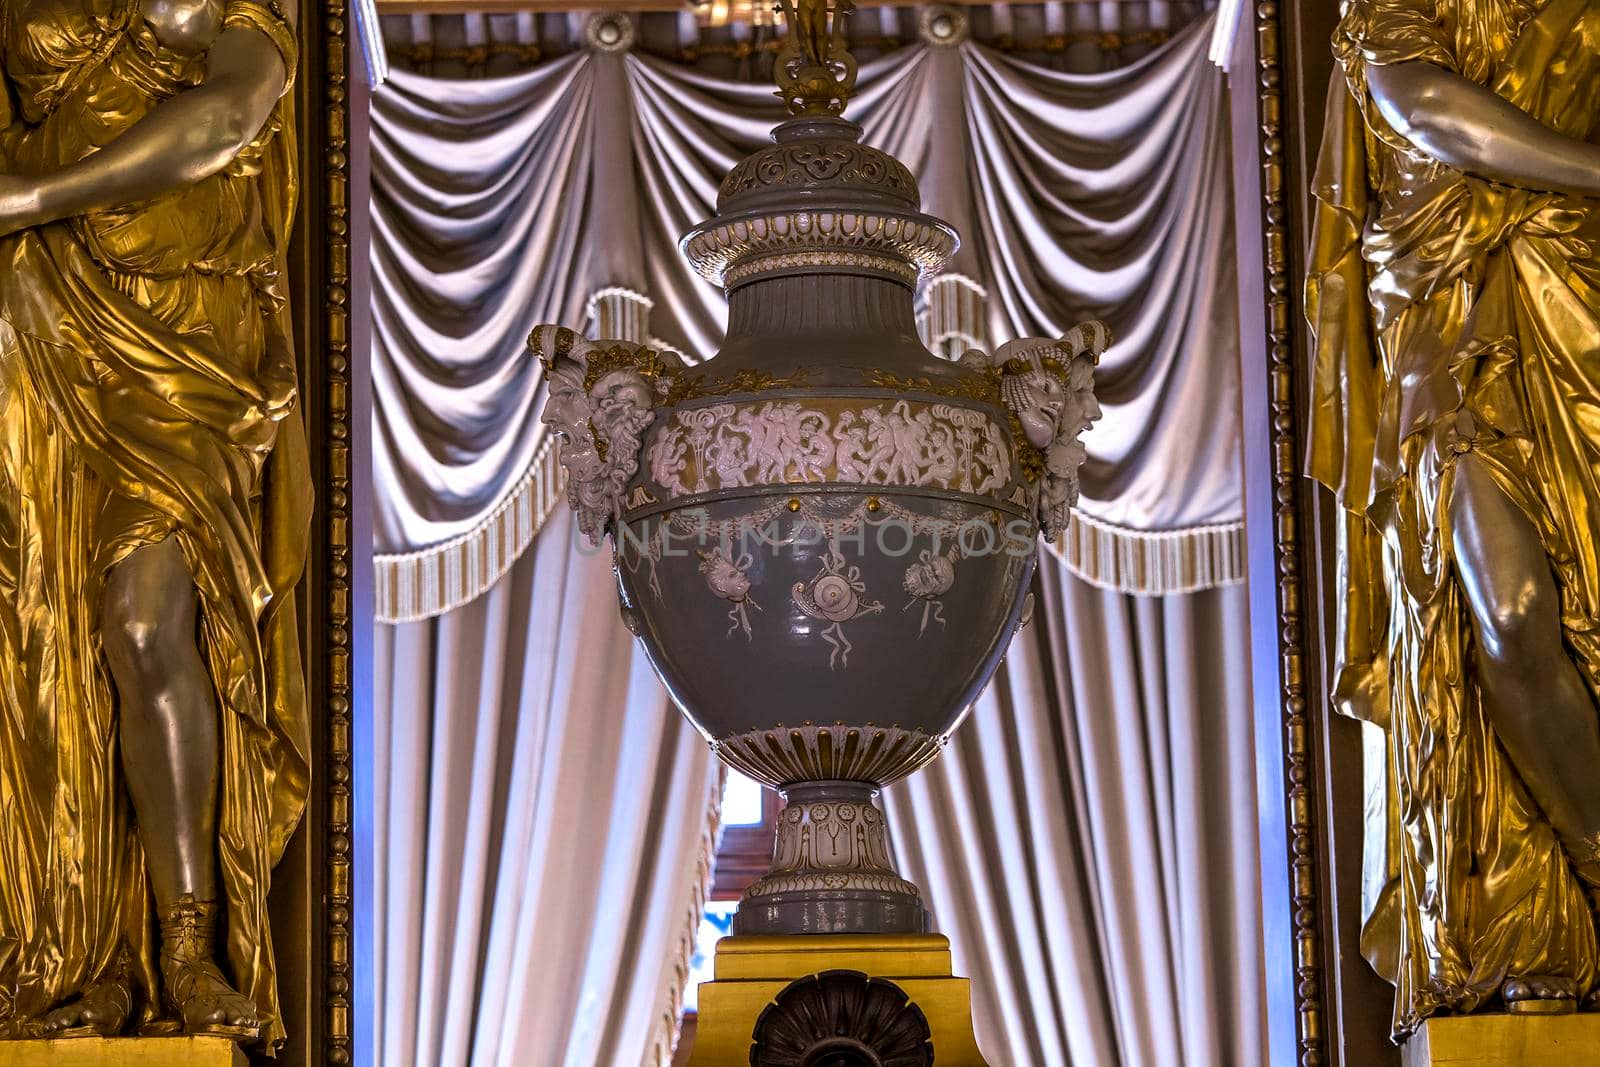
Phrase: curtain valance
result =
(504, 202)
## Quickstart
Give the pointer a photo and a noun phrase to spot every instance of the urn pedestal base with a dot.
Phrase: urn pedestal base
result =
(763, 983)
(832, 869)
(1504, 1041)
(123, 1052)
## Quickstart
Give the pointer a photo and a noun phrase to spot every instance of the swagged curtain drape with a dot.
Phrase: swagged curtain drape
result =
(510, 201)
(557, 193)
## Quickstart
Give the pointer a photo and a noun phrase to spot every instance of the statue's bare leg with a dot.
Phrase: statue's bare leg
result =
(1540, 706)
(171, 756)
(170, 747)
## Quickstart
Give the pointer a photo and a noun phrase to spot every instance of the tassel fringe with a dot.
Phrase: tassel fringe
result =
(420, 585)
(1153, 564)
(670, 1030)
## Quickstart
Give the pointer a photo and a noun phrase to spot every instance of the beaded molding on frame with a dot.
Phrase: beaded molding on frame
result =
(1291, 593)
(338, 980)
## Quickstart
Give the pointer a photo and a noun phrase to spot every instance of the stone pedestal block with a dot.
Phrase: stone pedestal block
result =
(1505, 1041)
(893, 994)
(123, 1052)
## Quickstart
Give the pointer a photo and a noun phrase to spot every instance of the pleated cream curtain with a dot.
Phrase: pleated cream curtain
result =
(543, 824)
(544, 815)
(1087, 840)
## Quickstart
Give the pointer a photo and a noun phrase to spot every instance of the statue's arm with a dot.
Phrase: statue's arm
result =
(184, 139)
(1467, 126)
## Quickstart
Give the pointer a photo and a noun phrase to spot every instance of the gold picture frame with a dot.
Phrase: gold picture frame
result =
(314, 888)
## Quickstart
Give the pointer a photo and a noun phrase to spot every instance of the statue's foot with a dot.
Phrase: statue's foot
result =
(206, 1005)
(1540, 995)
(103, 1010)
(197, 996)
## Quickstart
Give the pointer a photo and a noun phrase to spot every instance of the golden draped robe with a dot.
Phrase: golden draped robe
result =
(1456, 315)
(147, 391)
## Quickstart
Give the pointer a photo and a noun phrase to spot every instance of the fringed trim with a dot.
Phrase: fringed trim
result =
(419, 585)
(617, 313)
(664, 1046)
(952, 321)
(1153, 564)
(432, 581)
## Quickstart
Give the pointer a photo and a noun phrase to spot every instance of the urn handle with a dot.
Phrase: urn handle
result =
(1048, 386)
(601, 400)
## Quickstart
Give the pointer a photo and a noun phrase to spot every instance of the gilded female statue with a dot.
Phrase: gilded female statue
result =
(1455, 296)
(154, 504)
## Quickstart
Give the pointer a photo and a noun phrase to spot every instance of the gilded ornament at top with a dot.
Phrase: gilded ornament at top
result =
(816, 72)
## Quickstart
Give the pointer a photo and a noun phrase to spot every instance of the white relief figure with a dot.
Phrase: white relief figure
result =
(669, 456)
(1049, 387)
(907, 460)
(991, 461)
(981, 458)
(729, 454)
(950, 444)
(764, 459)
(940, 461)
(834, 597)
(782, 442)
(811, 446)
(850, 448)
(601, 401)
(725, 576)
(927, 580)
(879, 458)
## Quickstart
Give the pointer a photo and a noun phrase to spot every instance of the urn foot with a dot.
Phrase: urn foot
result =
(832, 872)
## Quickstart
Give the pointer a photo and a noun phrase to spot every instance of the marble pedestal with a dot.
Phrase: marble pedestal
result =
(754, 971)
(1500, 1040)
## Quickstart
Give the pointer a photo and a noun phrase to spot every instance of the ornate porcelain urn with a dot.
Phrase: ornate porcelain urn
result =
(824, 535)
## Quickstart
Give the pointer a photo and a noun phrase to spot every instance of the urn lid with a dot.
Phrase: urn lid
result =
(818, 160)
(817, 200)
